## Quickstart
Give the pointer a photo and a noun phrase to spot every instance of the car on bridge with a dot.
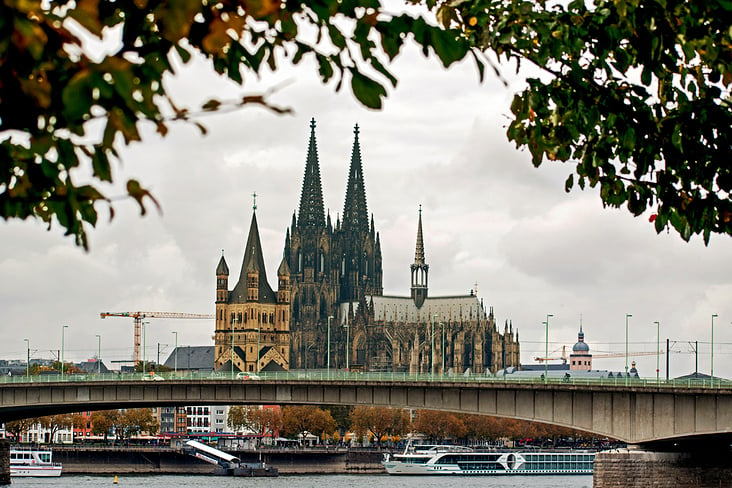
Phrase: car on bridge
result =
(247, 376)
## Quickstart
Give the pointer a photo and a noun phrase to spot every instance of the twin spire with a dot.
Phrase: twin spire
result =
(355, 210)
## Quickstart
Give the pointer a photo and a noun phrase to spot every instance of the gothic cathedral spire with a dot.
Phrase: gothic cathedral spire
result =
(355, 213)
(420, 269)
(312, 212)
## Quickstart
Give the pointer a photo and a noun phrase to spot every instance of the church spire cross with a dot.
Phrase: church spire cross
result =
(419, 251)
(355, 211)
(311, 213)
(254, 197)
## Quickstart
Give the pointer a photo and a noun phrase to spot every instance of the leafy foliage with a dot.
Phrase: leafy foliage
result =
(297, 421)
(260, 420)
(65, 112)
(635, 93)
(56, 422)
(380, 422)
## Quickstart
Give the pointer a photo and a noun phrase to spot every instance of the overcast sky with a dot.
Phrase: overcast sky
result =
(489, 218)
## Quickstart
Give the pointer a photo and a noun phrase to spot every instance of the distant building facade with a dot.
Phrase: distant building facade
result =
(252, 321)
(580, 359)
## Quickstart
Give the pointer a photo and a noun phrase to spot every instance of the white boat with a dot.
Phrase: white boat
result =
(31, 462)
(456, 460)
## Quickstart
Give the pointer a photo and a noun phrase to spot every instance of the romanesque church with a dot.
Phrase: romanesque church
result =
(330, 298)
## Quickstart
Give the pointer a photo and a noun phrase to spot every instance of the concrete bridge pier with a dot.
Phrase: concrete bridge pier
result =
(4, 462)
(638, 468)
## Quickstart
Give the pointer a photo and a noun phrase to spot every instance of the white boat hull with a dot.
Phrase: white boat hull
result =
(35, 471)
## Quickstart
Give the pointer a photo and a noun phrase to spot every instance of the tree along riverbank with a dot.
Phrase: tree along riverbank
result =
(150, 460)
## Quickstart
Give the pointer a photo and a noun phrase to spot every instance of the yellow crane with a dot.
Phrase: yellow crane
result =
(140, 316)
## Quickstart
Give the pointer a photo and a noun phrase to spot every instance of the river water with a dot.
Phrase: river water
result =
(311, 481)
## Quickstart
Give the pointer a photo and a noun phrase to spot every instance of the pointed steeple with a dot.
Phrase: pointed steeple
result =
(253, 263)
(222, 269)
(420, 269)
(419, 252)
(355, 212)
(311, 214)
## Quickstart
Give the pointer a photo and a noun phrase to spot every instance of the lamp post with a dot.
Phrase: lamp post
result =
(27, 361)
(442, 349)
(712, 348)
(99, 354)
(627, 316)
(144, 345)
(62, 350)
(175, 368)
(330, 317)
(233, 324)
(658, 351)
(546, 349)
(348, 342)
(432, 363)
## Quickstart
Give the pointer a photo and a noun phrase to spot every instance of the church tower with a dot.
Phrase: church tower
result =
(308, 249)
(252, 322)
(357, 242)
(420, 270)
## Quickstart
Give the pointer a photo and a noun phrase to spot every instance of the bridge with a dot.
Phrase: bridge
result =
(631, 410)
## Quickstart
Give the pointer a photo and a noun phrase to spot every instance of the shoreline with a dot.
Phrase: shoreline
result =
(146, 460)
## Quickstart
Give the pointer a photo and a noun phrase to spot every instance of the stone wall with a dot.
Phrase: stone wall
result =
(646, 469)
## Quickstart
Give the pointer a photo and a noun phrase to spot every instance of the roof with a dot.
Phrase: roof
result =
(403, 309)
(192, 358)
(222, 268)
(253, 261)
(92, 366)
(311, 213)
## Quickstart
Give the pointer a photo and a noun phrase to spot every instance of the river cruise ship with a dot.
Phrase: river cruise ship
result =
(456, 460)
(29, 462)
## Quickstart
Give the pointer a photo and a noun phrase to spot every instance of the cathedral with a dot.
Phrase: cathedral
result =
(330, 309)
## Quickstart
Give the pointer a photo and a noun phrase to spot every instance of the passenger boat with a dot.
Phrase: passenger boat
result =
(29, 462)
(456, 460)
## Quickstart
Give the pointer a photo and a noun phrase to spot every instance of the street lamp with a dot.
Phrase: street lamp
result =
(712, 348)
(627, 315)
(442, 325)
(330, 317)
(259, 332)
(27, 361)
(432, 363)
(233, 324)
(143, 345)
(546, 349)
(348, 342)
(99, 354)
(658, 350)
(176, 353)
(62, 350)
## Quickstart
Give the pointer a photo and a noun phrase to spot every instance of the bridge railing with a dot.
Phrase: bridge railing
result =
(360, 377)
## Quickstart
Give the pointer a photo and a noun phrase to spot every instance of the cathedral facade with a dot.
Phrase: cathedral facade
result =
(339, 314)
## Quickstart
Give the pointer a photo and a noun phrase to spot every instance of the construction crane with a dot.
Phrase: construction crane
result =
(140, 316)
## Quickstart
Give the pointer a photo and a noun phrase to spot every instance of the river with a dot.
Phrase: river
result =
(311, 481)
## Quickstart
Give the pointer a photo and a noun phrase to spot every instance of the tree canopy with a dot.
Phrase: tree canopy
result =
(633, 93)
(63, 107)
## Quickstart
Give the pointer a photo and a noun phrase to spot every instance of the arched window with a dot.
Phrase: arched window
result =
(299, 261)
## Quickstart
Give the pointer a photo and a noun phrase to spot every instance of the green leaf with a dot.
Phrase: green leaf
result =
(366, 90)
(569, 183)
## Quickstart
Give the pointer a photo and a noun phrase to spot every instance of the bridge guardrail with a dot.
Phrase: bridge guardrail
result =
(342, 375)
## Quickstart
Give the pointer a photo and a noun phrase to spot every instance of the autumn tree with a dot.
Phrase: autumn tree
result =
(298, 420)
(439, 425)
(634, 94)
(260, 420)
(54, 423)
(104, 421)
(16, 428)
(134, 421)
(380, 421)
